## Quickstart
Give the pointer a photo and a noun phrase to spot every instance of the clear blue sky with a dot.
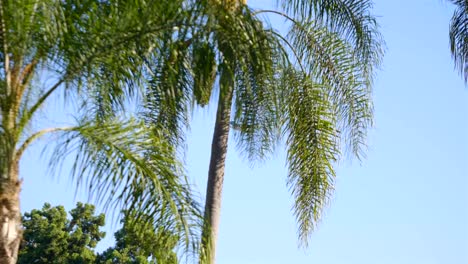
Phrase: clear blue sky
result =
(406, 203)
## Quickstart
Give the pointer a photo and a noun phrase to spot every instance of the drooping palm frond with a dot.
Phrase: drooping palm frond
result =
(330, 61)
(256, 57)
(323, 98)
(168, 96)
(189, 66)
(129, 166)
(351, 19)
(312, 148)
(204, 67)
(328, 103)
(99, 44)
(459, 36)
(312, 86)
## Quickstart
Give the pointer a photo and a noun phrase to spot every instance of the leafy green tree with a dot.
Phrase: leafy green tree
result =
(94, 52)
(49, 237)
(140, 243)
(459, 37)
(310, 89)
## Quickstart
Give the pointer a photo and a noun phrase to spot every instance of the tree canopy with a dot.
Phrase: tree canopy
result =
(310, 89)
(53, 236)
(50, 237)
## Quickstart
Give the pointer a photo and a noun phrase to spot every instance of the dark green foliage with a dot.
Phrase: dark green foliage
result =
(49, 237)
(204, 67)
(139, 243)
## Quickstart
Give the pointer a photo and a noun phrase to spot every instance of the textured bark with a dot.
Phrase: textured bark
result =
(216, 174)
(10, 215)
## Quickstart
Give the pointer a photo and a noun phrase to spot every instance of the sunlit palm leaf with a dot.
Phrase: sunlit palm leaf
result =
(332, 62)
(130, 167)
(351, 19)
(313, 148)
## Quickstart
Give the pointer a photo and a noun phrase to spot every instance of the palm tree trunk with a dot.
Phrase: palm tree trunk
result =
(214, 188)
(10, 215)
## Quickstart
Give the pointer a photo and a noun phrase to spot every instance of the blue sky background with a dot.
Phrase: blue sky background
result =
(406, 203)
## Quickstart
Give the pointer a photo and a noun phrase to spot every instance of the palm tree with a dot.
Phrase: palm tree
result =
(94, 52)
(310, 89)
(459, 37)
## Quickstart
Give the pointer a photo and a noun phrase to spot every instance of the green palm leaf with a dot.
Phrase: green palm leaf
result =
(458, 37)
(127, 165)
(313, 148)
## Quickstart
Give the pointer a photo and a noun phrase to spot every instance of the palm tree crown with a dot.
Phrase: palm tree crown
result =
(310, 89)
(94, 52)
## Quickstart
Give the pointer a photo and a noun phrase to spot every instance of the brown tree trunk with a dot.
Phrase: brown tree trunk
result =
(214, 188)
(10, 215)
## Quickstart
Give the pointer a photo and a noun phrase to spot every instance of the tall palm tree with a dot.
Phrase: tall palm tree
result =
(310, 89)
(94, 52)
(459, 37)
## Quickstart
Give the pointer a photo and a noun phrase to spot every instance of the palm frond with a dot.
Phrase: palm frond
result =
(313, 147)
(168, 96)
(331, 61)
(255, 54)
(124, 164)
(204, 68)
(351, 19)
(91, 44)
(459, 36)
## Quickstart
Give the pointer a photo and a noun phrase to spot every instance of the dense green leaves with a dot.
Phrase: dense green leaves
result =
(313, 148)
(204, 72)
(49, 237)
(140, 243)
